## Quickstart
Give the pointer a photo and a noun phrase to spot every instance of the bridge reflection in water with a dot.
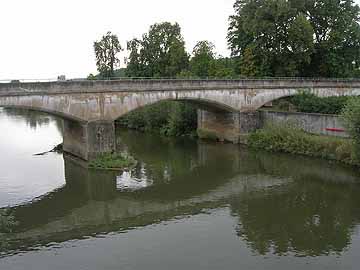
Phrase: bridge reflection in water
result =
(281, 204)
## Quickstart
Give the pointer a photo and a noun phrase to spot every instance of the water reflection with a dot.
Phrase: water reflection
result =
(283, 205)
(22, 175)
(131, 181)
(280, 204)
(33, 119)
(306, 218)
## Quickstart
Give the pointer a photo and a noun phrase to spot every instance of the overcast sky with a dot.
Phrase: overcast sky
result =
(45, 38)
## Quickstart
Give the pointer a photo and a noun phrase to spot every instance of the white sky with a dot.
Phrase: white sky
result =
(46, 38)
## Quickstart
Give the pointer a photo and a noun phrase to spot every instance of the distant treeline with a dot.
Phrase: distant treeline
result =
(316, 38)
(283, 38)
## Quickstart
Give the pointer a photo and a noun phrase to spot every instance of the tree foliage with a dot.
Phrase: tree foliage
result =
(106, 51)
(203, 59)
(287, 137)
(160, 53)
(351, 117)
(169, 118)
(296, 37)
(309, 103)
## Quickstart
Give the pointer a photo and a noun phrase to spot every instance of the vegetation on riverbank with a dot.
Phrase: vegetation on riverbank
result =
(307, 102)
(351, 118)
(168, 118)
(288, 138)
(7, 221)
(113, 161)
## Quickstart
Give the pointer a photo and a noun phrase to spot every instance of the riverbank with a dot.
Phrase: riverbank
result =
(289, 139)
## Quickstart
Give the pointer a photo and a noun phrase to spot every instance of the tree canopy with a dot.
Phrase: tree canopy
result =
(202, 59)
(160, 53)
(106, 51)
(296, 37)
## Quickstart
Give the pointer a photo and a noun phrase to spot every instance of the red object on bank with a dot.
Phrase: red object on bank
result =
(335, 129)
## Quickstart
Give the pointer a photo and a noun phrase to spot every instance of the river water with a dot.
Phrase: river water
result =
(187, 205)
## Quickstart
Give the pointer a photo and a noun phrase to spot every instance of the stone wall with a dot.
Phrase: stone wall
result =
(226, 126)
(321, 124)
(234, 126)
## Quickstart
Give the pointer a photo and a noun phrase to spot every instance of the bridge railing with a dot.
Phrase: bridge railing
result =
(181, 79)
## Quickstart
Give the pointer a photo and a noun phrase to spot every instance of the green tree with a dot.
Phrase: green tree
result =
(248, 65)
(222, 67)
(203, 59)
(134, 66)
(168, 118)
(160, 52)
(337, 37)
(106, 51)
(297, 37)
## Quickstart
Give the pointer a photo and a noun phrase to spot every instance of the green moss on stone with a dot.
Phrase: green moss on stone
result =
(113, 161)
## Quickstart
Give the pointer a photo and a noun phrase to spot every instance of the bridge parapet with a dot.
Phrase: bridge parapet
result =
(90, 86)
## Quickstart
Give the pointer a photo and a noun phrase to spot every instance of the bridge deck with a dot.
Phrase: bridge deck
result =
(131, 85)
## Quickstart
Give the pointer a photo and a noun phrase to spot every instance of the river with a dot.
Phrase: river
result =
(187, 205)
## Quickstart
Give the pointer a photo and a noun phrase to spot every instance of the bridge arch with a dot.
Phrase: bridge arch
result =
(94, 105)
(58, 114)
(55, 105)
(204, 104)
(109, 106)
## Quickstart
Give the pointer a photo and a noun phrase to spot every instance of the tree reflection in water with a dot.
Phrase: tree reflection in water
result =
(34, 119)
(284, 204)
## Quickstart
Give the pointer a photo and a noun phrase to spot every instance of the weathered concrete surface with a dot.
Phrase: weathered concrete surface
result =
(321, 124)
(87, 140)
(227, 126)
(108, 100)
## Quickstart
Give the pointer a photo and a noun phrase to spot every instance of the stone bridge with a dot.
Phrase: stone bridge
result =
(226, 107)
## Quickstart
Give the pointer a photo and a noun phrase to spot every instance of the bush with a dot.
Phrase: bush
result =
(290, 139)
(309, 103)
(168, 118)
(351, 117)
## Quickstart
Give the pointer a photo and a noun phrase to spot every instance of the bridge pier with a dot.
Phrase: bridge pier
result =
(88, 140)
(227, 126)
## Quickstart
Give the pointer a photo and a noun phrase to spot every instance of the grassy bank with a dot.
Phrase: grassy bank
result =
(113, 161)
(289, 139)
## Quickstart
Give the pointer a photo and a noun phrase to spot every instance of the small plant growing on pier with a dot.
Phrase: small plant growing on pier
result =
(113, 161)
